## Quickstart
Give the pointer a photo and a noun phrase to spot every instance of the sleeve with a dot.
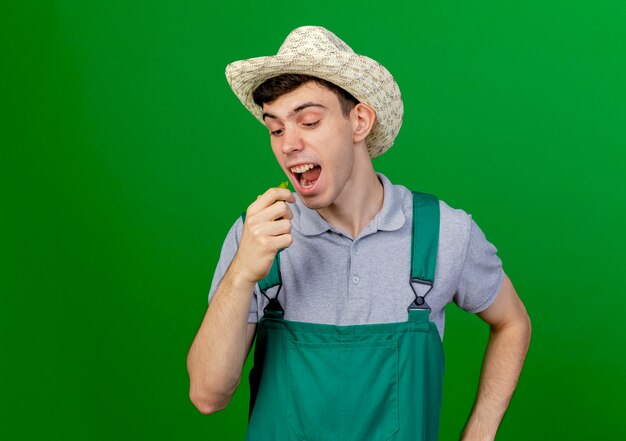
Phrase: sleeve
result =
(229, 250)
(482, 274)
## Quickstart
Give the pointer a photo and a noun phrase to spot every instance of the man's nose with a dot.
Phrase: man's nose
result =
(292, 141)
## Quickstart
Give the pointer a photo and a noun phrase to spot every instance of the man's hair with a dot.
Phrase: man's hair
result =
(275, 87)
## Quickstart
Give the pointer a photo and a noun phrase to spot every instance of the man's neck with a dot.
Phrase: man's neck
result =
(360, 202)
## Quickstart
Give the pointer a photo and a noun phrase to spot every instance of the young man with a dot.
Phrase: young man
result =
(344, 283)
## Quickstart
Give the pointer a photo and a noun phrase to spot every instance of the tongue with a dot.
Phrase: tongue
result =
(313, 174)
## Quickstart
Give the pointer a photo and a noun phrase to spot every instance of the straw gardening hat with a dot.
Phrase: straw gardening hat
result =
(316, 51)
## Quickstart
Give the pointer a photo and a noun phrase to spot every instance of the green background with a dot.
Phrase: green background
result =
(125, 158)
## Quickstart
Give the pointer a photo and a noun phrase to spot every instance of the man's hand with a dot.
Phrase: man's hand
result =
(266, 230)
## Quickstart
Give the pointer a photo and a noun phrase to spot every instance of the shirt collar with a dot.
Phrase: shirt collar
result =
(389, 218)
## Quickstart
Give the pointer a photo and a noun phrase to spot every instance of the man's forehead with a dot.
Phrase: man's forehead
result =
(292, 113)
(307, 96)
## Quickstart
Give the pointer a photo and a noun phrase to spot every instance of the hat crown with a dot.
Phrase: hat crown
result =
(310, 40)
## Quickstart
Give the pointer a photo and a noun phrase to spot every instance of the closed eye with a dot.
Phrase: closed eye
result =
(311, 124)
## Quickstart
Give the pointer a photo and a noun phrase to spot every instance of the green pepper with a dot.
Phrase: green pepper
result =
(284, 184)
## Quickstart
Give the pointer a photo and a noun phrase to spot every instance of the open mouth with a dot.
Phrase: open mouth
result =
(307, 174)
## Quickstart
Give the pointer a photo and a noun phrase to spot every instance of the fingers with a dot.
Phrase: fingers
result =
(276, 228)
(278, 210)
(270, 216)
(273, 244)
(272, 235)
(267, 229)
(269, 197)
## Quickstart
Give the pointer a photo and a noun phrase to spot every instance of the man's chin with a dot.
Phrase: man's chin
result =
(313, 203)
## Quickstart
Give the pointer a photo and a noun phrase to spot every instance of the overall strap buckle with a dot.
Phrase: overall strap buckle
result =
(419, 302)
(274, 309)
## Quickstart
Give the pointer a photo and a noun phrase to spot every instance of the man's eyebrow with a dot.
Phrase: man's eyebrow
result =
(296, 110)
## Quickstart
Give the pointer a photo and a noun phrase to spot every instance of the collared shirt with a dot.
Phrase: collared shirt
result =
(330, 277)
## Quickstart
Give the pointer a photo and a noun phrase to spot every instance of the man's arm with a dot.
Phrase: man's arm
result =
(223, 342)
(221, 346)
(509, 338)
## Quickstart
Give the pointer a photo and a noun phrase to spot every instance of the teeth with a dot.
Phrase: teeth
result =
(305, 183)
(302, 168)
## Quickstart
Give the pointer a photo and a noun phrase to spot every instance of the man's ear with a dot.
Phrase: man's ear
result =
(363, 119)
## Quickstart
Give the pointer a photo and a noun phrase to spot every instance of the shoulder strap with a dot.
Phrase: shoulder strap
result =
(425, 237)
(425, 244)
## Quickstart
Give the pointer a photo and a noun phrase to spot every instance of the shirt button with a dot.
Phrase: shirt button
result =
(355, 279)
